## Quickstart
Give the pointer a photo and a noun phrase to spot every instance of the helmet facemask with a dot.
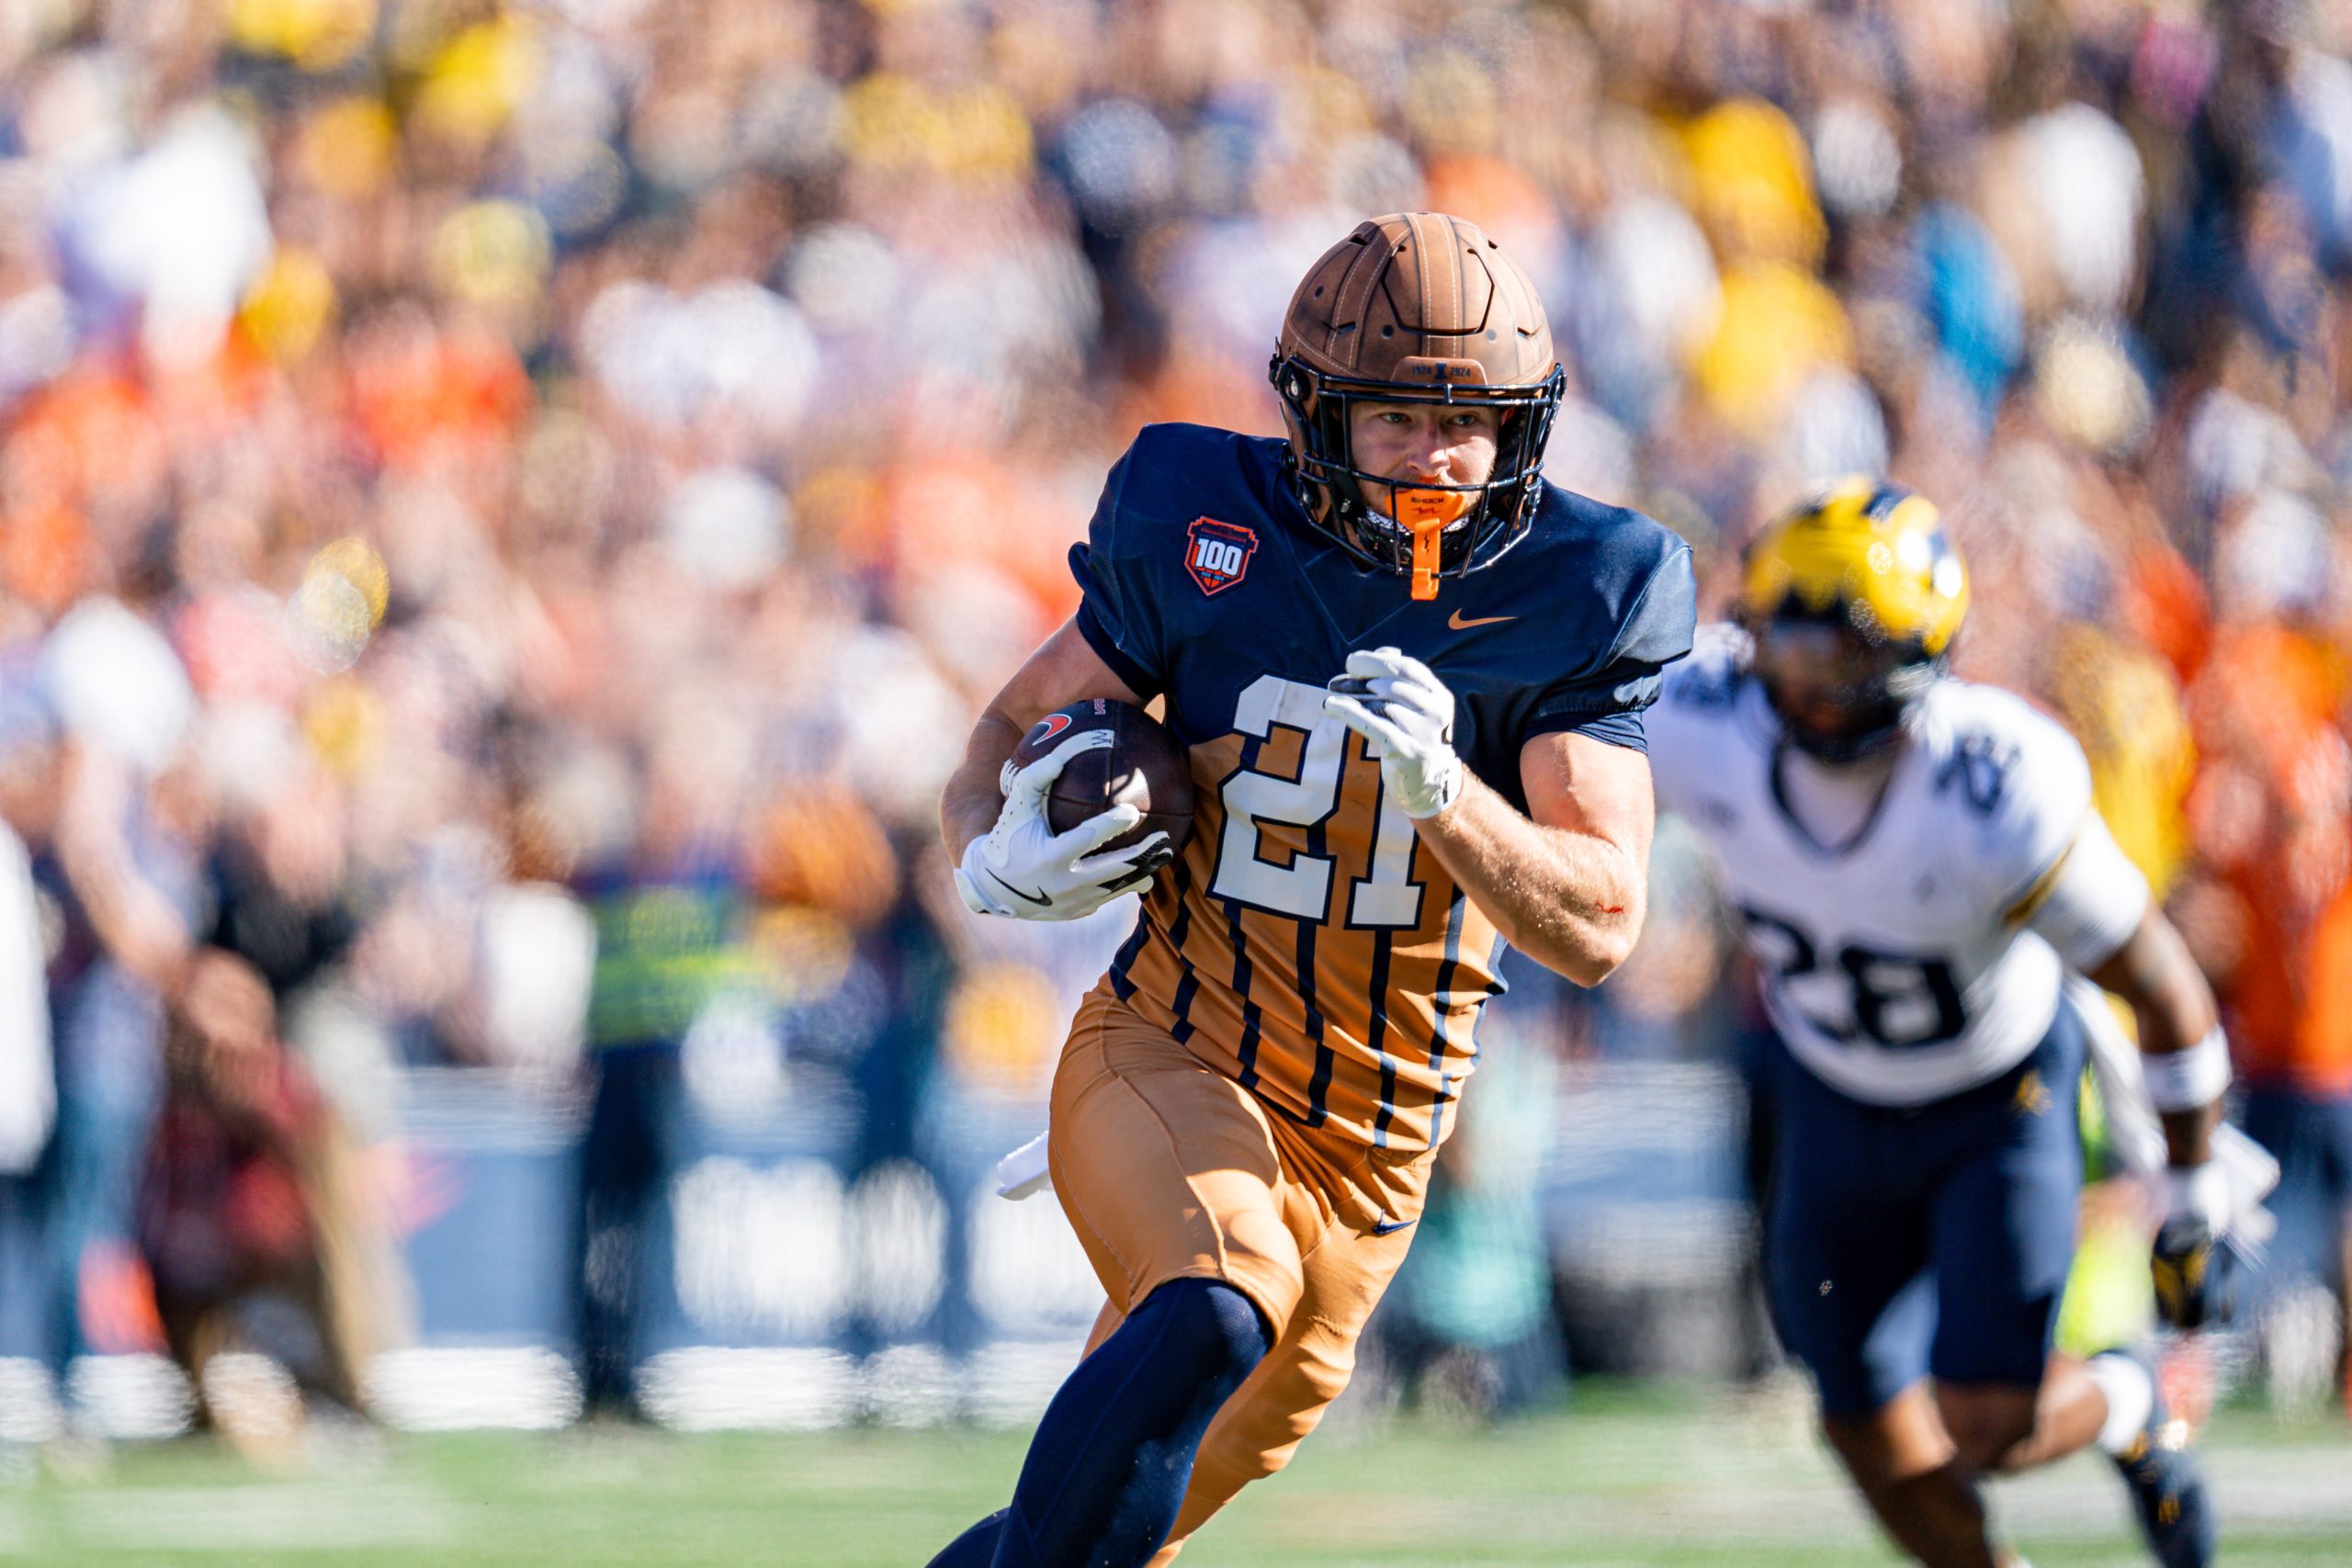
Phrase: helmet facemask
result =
(1854, 599)
(1842, 691)
(1429, 531)
(1417, 308)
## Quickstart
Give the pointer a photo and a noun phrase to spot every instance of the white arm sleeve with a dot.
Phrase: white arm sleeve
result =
(2091, 901)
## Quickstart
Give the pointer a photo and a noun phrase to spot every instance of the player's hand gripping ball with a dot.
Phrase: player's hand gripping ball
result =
(1142, 765)
(1097, 798)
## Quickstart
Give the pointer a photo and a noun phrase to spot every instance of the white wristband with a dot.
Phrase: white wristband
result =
(2190, 1080)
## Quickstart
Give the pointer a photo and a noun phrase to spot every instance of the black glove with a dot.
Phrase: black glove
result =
(2194, 1273)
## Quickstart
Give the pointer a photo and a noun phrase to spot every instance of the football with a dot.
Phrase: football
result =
(1144, 766)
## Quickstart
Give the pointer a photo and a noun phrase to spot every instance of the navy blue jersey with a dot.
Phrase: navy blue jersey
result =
(1307, 942)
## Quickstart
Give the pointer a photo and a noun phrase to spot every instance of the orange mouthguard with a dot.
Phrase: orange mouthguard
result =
(1425, 512)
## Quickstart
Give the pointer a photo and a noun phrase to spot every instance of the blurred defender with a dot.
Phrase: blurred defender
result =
(1403, 759)
(1917, 862)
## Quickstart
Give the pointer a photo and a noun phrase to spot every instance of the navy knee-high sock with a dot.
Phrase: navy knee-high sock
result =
(1108, 1467)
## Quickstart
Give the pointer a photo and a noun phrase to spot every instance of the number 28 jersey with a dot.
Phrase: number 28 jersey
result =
(1306, 942)
(1924, 955)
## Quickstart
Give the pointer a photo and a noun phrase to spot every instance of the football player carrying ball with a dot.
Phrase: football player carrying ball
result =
(1404, 756)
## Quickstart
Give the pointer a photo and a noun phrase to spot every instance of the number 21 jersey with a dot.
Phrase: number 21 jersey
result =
(1306, 942)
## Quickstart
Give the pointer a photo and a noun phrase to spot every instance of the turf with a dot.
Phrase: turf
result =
(1622, 1479)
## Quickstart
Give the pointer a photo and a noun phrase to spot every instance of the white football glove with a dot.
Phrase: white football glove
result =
(1395, 702)
(1023, 868)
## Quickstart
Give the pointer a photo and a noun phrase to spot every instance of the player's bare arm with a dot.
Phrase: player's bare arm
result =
(2093, 908)
(1567, 886)
(2185, 1062)
(2168, 994)
(1062, 671)
(1564, 886)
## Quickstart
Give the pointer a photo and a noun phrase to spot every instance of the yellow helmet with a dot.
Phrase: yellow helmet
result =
(1873, 556)
(1872, 562)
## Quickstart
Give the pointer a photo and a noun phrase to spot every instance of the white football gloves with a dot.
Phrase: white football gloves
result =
(1023, 868)
(1395, 702)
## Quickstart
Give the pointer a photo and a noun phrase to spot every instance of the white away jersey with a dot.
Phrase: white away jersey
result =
(1899, 965)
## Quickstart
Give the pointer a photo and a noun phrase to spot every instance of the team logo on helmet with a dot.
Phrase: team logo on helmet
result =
(1216, 553)
(1872, 564)
(1872, 556)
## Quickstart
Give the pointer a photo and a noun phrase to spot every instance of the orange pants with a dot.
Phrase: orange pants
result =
(1169, 1169)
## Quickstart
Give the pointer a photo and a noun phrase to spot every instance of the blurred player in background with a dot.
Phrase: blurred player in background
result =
(2123, 705)
(245, 1200)
(1249, 1104)
(1917, 863)
(28, 1094)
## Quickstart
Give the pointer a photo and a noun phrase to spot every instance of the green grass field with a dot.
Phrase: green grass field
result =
(1622, 1479)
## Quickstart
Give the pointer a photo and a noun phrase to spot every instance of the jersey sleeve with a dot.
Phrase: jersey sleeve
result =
(2088, 903)
(1119, 613)
(1608, 700)
(1694, 697)
(2031, 784)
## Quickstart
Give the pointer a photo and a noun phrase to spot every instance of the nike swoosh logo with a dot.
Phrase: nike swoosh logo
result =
(1037, 898)
(1390, 1227)
(1458, 623)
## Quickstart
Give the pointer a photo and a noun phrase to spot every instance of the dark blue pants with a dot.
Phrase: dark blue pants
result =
(625, 1166)
(28, 1292)
(1929, 1240)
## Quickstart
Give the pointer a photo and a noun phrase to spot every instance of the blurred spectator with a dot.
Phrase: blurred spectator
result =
(127, 899)
(673, 938)
(27, 1099)
(245, 1212)
(409, 411)
(2273, 815)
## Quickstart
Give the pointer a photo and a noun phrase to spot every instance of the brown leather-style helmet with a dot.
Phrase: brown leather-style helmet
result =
(1417, 307)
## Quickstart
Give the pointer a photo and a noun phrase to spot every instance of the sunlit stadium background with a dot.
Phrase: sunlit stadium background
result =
(451, 450)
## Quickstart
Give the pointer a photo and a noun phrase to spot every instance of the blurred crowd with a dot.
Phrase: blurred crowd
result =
(507, 506)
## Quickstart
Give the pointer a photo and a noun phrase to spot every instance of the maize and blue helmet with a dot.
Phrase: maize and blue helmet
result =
(1854, 599)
